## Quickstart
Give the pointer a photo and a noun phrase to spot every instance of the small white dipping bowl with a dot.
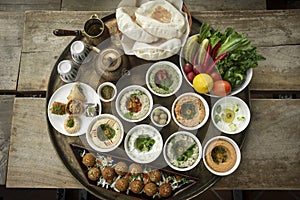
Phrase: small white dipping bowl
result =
(204, 104)
(102, 86)
(108, 145)
(122, 100)
(154, 117)
(207, 153)
(139, 131)
(168, 66)
(241, 117)
(179, 140)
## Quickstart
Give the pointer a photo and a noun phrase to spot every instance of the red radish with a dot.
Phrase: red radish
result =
(216, 76)
(187, 68)
(197, 69)
(190, 76)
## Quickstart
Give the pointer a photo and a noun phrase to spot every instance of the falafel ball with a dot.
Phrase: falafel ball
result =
(165, 190)
(135, 169)
(155, 175)
(121, 168)
(94, 173)
(122, 184)
(136, 186)
(108, 174)
(150, 189)
(89, 159)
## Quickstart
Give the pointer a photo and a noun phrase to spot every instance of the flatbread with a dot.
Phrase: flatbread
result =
(161, 50)
(161, 19)
(126, 23)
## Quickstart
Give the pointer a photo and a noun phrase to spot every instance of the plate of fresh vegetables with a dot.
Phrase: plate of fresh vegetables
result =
(218, 63)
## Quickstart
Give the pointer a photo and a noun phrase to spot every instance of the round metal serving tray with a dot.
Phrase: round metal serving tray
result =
(132, 71)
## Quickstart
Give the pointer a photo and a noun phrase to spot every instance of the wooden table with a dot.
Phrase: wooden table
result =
(270, 156)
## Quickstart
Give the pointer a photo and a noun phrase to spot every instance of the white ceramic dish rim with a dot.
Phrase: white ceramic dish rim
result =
(107, 84)
(195, 139)
(175, 67)
(57, 121)
(205, 106)
(241, 103)
(129, 133)
(233, 92)
(238, 154)
(88, 137)
(134, 87)
(166, 111)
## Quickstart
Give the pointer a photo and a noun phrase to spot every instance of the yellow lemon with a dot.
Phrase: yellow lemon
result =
(203, 83)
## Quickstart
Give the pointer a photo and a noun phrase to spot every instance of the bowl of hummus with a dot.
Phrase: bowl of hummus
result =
(230, 115)
(143, 143)
(105, 133)
(134, 103)
(221, 155)
(182, 151)
(163, 78)
(190, 111)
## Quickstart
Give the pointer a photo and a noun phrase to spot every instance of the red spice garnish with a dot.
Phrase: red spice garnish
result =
(134, 104)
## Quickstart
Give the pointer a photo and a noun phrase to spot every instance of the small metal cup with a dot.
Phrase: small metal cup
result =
(80, 51)
(68, 71)
(93, 29)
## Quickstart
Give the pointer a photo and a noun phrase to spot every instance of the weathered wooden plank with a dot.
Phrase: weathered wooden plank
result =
(6, 105)
(270, 154)
(280, 70)
(196, 5)
(263, 28)
(41, 48)
(193, 5)
(32, 161)
(22, 5)
(11, 30)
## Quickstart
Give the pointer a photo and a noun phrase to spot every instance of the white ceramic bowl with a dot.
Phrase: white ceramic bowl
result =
(204, 104)
(206, 153)
(234, 91)
(110, 144)
(182, 138)
(241, 117)
(150, 81)
(135, 154)
(166, 111)
(124, 95)
(105, 84)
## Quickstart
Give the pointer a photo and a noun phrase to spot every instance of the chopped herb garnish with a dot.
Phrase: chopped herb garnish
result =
(219, 154)
(144, 143)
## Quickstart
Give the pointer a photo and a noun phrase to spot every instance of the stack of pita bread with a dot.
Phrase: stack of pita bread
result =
(152, 29)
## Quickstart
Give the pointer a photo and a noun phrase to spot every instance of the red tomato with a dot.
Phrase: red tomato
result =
(221, 88)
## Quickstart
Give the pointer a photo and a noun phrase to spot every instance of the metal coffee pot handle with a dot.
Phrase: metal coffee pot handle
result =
(62, 32)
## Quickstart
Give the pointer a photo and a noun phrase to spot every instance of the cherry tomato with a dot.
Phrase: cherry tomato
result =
(221, 88)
